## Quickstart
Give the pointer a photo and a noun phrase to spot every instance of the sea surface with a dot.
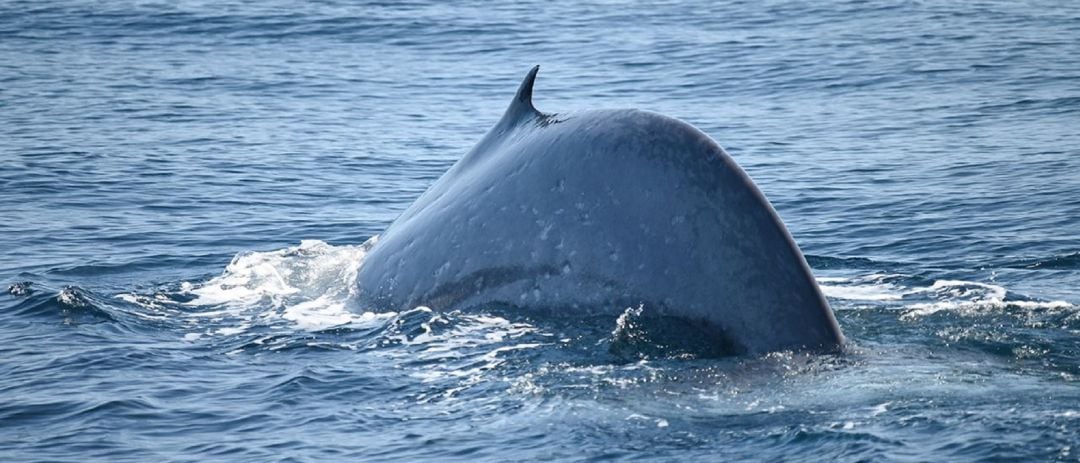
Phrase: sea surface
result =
(185, 186)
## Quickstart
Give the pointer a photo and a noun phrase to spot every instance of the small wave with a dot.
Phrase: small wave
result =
(918, 299)
(970, 298)
(74, 304)
(967, 298)
(1065, 104)
(828, 262)
(1061, 262)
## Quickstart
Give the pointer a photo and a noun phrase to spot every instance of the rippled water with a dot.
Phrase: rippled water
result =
(186, 187)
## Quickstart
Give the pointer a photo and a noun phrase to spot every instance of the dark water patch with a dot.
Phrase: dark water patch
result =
(640, 334)
(828, 262)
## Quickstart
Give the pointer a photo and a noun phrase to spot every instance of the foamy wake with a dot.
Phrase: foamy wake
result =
(956, 296)
(313, 287)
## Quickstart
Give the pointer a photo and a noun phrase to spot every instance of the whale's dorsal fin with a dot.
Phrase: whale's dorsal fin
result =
(522, 107)
(524, 93)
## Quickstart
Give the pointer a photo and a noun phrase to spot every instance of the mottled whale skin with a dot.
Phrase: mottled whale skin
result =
(603, 210)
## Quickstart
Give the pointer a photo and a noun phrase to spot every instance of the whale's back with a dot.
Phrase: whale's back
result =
(600, 211)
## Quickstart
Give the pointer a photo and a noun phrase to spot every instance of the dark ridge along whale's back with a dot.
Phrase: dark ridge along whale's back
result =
(603, 210)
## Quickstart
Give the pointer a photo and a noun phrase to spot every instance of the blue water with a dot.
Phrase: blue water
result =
(185, 186)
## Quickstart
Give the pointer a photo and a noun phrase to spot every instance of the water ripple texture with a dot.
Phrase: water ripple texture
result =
(187, 188)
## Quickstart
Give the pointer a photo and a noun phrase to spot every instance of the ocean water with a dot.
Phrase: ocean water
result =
(185, 187)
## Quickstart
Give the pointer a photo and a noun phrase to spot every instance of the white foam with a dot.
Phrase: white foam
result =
(862, 292)
(130, 298)
(312, 285)
(229, 331)
(311, 269)
(962, 297)
(973, 298)
(471, 346)
(968, 289)
(976, 307)
(880, 408)
(319, 313)
(862, 288)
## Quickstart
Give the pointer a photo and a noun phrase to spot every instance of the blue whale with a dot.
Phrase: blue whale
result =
(603, 210)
